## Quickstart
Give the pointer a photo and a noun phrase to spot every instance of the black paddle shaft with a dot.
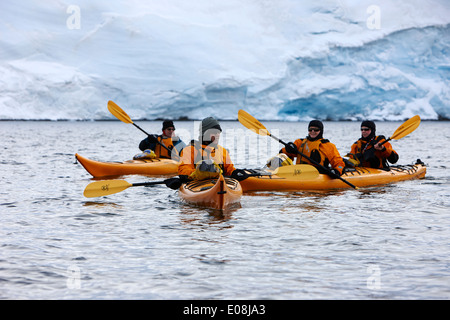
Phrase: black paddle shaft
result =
(172, 183)
(148, 134)
(317, 164)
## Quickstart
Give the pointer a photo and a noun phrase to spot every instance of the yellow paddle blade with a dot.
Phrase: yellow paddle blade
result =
(297, 172)
(105, 187)
(251, 123)
(118, 112)
(406, 128)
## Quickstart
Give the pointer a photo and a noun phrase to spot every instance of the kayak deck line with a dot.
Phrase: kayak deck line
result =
(411, 169)
(359, 176)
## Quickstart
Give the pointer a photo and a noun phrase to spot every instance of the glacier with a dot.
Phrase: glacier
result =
(279, 60)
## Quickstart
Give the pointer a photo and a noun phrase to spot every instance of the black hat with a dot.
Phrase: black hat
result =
(317, 124)
(368, 124)
(167, 124)
(207, 124)
(371, 125)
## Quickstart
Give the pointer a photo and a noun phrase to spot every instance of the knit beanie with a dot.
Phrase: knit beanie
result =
(167, 124)
(208, 124)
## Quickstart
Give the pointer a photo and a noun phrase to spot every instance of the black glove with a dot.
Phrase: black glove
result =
(173, 183)
(291, 148)
(334, 174)
(183, 178)
(239, 174)
(152, 138)
(369, 154)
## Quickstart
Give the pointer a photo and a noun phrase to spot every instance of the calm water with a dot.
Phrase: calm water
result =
(388, 242)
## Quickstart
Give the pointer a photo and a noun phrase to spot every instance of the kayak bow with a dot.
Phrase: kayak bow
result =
(220, 194)
(144, 167)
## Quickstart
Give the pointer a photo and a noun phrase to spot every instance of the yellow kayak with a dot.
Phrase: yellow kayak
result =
(220, 194)
(360, 177)
(143, 167)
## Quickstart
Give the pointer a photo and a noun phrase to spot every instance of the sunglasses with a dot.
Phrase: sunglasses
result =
(313, 129)
(171, 129)
(365, 129)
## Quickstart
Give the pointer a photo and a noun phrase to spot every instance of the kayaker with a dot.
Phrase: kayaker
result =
(167, 138)
(368, 151)
(205, 158)
(317, 148)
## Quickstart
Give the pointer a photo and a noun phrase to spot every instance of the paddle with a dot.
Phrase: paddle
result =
(251, 123)
(124, 117)
(406, 128)
(107, 187)
(297, 172)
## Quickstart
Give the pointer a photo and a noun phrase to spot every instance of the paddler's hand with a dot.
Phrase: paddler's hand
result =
(174, 183)
(152, 138)
(379, 147)
(334, 174)
(206, 169)
(291, 148)
(239, 174)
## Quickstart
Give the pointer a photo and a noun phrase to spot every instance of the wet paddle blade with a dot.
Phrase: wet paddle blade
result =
(406, 128)
(297, 172)
(251, 123)
(105, 187)
(118, 112)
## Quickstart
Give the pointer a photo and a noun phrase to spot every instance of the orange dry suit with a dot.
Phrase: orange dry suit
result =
(321, 150)
(196, 152)
(160, 151)
(364, 152)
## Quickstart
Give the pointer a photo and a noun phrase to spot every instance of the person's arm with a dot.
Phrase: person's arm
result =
(148, 143)
(386, 151)
(333, 156)
(227, 163)
(187, 157)
(291, 147)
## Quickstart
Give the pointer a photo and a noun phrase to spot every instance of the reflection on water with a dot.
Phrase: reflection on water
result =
(190, 214)
(101, 204)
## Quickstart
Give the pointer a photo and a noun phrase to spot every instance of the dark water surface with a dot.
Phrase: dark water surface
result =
(389, 242)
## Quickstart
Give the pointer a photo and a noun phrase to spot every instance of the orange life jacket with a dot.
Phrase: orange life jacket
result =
(312, 150)
(162, 152)
(369, 157)
(322, 151)
(196, 152)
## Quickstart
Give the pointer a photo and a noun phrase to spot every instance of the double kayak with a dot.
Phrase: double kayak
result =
(359, 176)
(142, 167)
(221, 194)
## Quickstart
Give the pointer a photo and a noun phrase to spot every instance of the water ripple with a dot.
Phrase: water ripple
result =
(147, 244)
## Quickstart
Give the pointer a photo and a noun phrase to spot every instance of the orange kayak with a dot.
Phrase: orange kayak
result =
(360, 177)
(218, 194)
(144, 167)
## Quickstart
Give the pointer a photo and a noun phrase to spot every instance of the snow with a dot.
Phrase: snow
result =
(284, 59)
